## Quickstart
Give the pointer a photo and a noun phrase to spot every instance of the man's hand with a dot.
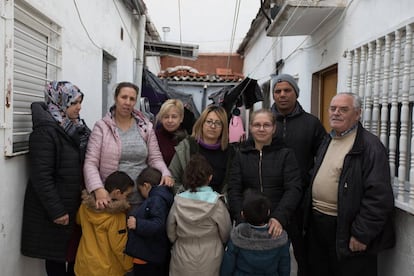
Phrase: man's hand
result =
(355, 245)
(275, 228)
(63, 220)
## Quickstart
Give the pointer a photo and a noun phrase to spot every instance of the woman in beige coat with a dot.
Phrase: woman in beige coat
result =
(198, 224)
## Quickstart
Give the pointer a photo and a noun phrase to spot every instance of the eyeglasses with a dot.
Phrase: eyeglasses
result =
(341, 109)
(210, 123)
(265, 126)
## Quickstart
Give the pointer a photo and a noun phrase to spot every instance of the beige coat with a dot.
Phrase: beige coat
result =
(198, 225)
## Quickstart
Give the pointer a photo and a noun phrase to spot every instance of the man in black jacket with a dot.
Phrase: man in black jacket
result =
(350, 206)
(302, 132)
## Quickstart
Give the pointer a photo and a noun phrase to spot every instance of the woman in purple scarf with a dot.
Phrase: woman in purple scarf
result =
(210, 138)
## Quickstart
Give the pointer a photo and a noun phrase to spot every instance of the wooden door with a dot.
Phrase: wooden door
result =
(329, 80)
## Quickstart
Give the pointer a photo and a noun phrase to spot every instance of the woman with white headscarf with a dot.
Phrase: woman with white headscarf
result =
(57, 148)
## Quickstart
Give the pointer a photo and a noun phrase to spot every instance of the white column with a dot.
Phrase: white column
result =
(385, 92)
(368, 87)
(392, 147)
(362, 70)
(376, 92)
(349, 56)
(355, 72)
(402, 169)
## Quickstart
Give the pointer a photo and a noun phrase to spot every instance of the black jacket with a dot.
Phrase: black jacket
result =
(303, 133)
(274, 171)
(53, 189)
(365, 196)
(149, 241)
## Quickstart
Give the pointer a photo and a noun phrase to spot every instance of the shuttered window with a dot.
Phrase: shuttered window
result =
(36, 55)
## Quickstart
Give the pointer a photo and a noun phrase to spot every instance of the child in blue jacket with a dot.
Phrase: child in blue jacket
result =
(251, 250)
(147, 238)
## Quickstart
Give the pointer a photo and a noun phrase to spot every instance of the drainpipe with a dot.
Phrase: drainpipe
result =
(139, 60)
(204, 100)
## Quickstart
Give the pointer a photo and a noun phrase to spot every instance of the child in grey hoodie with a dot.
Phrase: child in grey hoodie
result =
(251, 249)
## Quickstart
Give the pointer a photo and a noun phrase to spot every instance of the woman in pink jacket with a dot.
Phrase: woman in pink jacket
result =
(123, 140)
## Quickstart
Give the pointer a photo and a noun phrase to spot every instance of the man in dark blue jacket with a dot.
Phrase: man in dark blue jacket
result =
(302, 132)
(351, 202)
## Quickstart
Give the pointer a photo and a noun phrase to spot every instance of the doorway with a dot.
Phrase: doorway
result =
(324, 87)
(108, 81)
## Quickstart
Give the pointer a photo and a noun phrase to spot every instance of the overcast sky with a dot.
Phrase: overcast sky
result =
(207, 23)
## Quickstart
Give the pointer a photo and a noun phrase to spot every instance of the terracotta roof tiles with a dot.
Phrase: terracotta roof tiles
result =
(187, 73)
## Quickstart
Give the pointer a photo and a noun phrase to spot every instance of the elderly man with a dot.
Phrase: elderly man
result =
(351, 203)
(302, 132)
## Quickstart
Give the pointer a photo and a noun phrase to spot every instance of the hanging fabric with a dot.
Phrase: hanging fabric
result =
(236, 127)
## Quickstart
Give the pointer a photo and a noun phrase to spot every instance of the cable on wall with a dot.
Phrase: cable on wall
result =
(83, 25)
(277, 41)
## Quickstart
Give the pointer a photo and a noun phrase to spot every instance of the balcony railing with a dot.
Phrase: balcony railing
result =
(381, 72)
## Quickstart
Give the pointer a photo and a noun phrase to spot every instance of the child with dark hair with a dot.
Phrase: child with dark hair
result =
(198, 224)
(104, 231)
(251, 250)
(147, 240)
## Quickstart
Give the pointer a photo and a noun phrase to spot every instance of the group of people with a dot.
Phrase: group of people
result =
(159, 201)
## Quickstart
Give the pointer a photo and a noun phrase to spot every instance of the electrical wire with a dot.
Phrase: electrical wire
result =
(299, 46)
(277, 41)
(83, 25)
(233, 32)
(333, 29)
(181, 38)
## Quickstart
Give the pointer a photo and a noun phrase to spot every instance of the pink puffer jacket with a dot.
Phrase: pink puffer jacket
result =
(104, 150)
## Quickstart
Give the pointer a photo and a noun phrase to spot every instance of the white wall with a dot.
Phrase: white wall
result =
(259, 61)
(82, 65)
(81, 55)
(153, 64)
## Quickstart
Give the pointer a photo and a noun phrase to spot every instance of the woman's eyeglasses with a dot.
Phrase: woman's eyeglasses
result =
(211, 123)
(264, 126)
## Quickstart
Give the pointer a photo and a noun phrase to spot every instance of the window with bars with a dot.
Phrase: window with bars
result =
(382, 73)
(35, 59)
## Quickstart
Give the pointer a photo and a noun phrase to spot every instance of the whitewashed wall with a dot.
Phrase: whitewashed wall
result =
(259, 59)
(363, 22)
(153, 64)
(82, 65)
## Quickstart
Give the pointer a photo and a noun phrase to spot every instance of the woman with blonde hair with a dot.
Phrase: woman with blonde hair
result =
(210, 138)
(169, 129)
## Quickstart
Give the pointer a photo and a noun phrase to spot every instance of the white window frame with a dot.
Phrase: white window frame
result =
(33, 56)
